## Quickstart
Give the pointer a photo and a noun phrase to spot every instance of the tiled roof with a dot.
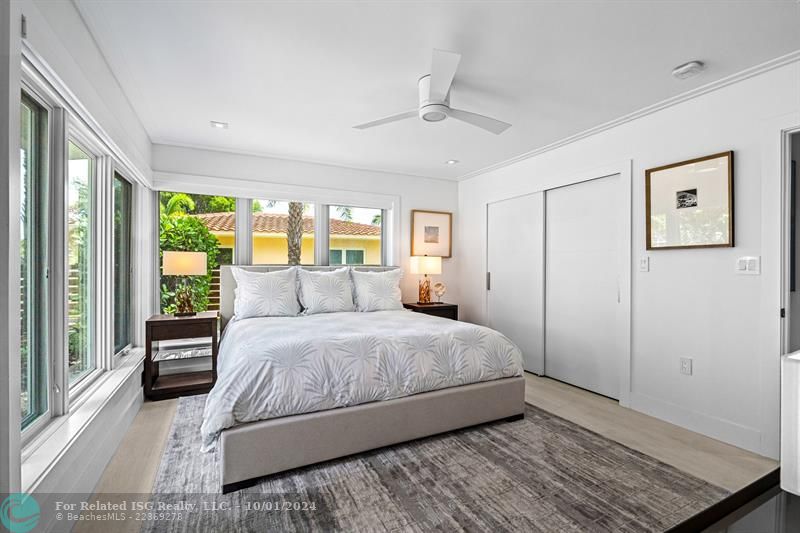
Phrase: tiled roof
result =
(276, 223)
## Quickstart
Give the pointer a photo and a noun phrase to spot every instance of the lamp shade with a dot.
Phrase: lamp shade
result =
(425, 264)
(184, 264)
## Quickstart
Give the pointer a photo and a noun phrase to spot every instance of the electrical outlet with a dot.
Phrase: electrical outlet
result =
(686, 366)
(644, 264)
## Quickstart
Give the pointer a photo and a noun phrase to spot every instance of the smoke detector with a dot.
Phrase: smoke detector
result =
(688, 70)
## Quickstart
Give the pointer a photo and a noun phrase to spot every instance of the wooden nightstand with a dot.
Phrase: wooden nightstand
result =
(436, 309)
(169, 327)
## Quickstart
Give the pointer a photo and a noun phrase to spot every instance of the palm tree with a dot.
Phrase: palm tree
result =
(294, 232)
(345, 213)
(377, 219)
(294, 228)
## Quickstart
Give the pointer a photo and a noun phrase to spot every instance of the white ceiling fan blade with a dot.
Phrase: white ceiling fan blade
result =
(489, 124)
(443, 69)
(387, 120)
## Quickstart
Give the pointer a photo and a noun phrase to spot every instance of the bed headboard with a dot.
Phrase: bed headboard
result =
(227, 284)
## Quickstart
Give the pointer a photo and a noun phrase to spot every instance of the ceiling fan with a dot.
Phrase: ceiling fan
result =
(434, 98)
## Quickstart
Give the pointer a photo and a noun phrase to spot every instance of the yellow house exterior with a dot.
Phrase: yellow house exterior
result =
(350, 242)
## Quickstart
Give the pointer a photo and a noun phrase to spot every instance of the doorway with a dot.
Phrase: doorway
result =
(793, 248)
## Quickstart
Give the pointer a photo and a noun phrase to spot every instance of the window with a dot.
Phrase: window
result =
(75, 250)
(123, 192)
(197, 223)
(351, 257)
(355, 236)
(354, 257)
(33, 260)
(80, 310)
(274, 224)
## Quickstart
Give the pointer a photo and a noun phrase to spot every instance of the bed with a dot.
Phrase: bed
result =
(293, 391)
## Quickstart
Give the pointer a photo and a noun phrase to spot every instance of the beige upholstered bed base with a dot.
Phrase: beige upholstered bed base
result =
(257, 449)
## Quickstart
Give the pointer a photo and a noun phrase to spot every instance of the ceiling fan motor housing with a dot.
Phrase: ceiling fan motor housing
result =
(431, 107)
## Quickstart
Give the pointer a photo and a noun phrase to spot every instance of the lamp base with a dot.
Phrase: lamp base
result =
(424, 291)
(183, 301)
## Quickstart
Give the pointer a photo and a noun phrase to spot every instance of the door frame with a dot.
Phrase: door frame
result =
(774, 330)
(624, 262)
(785, 234)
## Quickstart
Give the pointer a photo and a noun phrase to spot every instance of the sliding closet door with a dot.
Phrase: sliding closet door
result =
(582, 267)
(515, 250)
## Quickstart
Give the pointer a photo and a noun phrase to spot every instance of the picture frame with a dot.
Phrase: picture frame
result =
(690, 204)
(431, 233)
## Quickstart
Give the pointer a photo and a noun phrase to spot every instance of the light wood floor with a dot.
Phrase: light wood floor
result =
(133, 468)
(709, 459)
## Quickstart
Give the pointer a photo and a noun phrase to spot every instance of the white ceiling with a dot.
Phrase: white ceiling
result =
(292, 78)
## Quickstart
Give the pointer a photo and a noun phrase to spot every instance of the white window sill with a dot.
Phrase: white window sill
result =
(43, 452)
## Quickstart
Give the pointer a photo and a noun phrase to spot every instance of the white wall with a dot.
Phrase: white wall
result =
(173, 166)
(691, 303)
(9, 247)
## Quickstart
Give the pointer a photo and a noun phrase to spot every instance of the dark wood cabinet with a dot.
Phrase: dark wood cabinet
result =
(169, 327)
(436, 309)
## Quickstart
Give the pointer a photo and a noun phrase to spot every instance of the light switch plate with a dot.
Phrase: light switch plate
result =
(644, 264)
(748, 265)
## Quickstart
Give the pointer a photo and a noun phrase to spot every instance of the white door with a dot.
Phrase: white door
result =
(515, 260)
(582, 255)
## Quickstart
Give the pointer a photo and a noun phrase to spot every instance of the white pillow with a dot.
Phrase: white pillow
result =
(326, 292)
(378, 291)
(265, 293)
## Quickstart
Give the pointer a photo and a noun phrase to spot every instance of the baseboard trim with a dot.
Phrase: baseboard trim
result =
(744, 437)
(723, 508)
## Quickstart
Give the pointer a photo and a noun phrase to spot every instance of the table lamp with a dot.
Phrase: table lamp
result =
(184, 264)
(424, 264)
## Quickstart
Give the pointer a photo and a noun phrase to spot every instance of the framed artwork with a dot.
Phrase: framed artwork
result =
(690, 204)
(431, 233)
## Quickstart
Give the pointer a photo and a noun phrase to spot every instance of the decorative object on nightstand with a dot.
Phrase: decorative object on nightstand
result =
(439, 289)
(436, 309)
(171, 327)
(425, 265)
(184, 264)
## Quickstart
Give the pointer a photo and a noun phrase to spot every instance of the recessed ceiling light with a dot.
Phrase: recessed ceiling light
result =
(219, 125)
(687, 70)
(452, 161)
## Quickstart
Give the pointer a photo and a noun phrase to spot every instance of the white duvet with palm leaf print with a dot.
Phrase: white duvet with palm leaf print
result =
(280, 366)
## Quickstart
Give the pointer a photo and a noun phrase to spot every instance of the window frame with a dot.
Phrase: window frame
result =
(85, 141)
(117, 172)
(36, 423)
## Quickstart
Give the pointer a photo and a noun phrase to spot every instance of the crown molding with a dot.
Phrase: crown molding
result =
(751, 72)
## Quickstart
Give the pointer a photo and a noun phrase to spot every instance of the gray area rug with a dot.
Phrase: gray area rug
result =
(542, 473)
